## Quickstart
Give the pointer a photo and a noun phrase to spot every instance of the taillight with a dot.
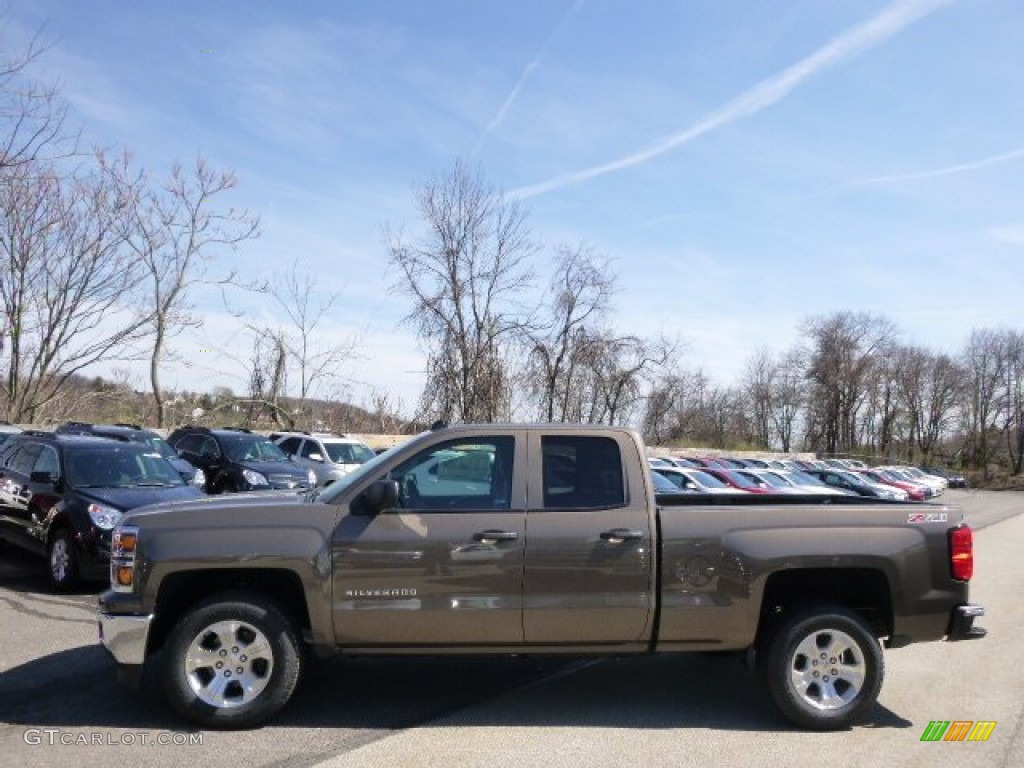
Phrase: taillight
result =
(961, 553)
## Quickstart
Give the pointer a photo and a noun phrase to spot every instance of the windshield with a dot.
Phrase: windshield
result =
(805, 479)
(662, 484)
(128, 466)
(708, 481)
(348, 453)
(251, 448)
(768, 477)
(160, 445)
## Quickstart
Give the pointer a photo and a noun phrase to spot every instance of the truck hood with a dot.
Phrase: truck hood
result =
(229, 509)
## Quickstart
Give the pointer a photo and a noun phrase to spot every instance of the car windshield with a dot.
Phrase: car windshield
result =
(805, 479)
(662, 484)
(708, 481)
(741, 480)
(251, 448)
(127, 466)
(160, 445)
(768, 477)
(348, 453)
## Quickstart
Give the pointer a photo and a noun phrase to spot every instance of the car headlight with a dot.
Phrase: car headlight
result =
(199, 478)
(104, 517)
(311, 477)
(254, 478)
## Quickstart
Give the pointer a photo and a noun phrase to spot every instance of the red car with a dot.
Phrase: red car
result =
(734, 479)
(914, 492)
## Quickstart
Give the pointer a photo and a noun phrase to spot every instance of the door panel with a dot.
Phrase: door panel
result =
(589, 569)
(445, 568)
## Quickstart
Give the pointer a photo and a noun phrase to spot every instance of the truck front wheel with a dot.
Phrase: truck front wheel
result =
(232, 661)
(823, 667)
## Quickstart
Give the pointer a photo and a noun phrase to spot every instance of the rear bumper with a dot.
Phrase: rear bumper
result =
(961, 623)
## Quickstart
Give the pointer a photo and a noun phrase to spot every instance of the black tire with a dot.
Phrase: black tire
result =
(823, 667)
(258, 652)
(62, 558)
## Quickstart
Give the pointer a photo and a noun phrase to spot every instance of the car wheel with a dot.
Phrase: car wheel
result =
(232, 661)
(823, 667)
(63, 558)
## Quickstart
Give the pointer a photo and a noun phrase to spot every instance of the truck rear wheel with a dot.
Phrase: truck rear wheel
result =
(823, 667)
(232, 661)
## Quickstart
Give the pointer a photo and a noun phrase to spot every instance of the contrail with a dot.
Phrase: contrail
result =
(950, 170)
(890, 22)
(525, 75)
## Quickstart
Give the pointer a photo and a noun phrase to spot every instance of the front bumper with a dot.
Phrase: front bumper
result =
(125, 637)
(961, 623)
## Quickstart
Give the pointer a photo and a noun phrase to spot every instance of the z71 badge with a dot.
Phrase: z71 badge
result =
(927, 517)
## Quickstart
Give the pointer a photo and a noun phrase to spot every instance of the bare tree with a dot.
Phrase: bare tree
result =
(984, 363)
(315, 360)
(928, 385)
(32, 114)
(844, 348)
(66, 279)
(580, 291)
(175, 232)
(465, 277)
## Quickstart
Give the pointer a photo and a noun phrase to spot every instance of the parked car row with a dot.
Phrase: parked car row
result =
(62, 492)
(795, 477)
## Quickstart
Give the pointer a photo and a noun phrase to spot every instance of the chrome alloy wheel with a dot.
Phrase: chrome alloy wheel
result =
(827, 669)
(60, 560)
(229, 664)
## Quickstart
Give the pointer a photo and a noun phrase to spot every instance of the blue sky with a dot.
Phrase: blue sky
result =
(744, 165)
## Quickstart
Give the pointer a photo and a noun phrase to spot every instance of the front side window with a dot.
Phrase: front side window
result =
(47, 462)
(458, 475)
(582, 473)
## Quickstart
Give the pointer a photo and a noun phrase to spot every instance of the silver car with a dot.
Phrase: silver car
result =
(329, 456)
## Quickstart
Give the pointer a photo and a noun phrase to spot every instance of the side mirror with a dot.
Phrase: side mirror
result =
(316, 457)
(381, 495)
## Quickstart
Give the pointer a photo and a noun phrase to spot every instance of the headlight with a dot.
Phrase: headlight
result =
(254, 478)
(199, 478)
(311, 478)
(122, 558)
(104, 517)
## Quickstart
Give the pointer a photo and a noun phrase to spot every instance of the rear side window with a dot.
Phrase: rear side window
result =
(291, 445)
(582, 473)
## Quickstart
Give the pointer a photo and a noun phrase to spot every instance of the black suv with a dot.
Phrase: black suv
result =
(239, 460)
(136, 434)
(61, 495)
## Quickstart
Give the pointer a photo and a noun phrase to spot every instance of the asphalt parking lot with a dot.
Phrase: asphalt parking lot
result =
(59, 702)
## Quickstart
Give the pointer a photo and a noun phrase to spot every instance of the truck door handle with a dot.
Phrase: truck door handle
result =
(619, 535)
(489, 537)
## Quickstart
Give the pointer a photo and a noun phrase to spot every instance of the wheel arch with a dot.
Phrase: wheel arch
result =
(865, 592)
(179, 592)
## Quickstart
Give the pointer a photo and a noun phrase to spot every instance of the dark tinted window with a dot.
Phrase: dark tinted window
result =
(291, 445)
(582, 473)
(47, 462)
(22, 460)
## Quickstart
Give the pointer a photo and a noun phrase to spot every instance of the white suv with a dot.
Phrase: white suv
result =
(329, 456)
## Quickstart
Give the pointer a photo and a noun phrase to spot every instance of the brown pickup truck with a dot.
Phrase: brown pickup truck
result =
(515, 539)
